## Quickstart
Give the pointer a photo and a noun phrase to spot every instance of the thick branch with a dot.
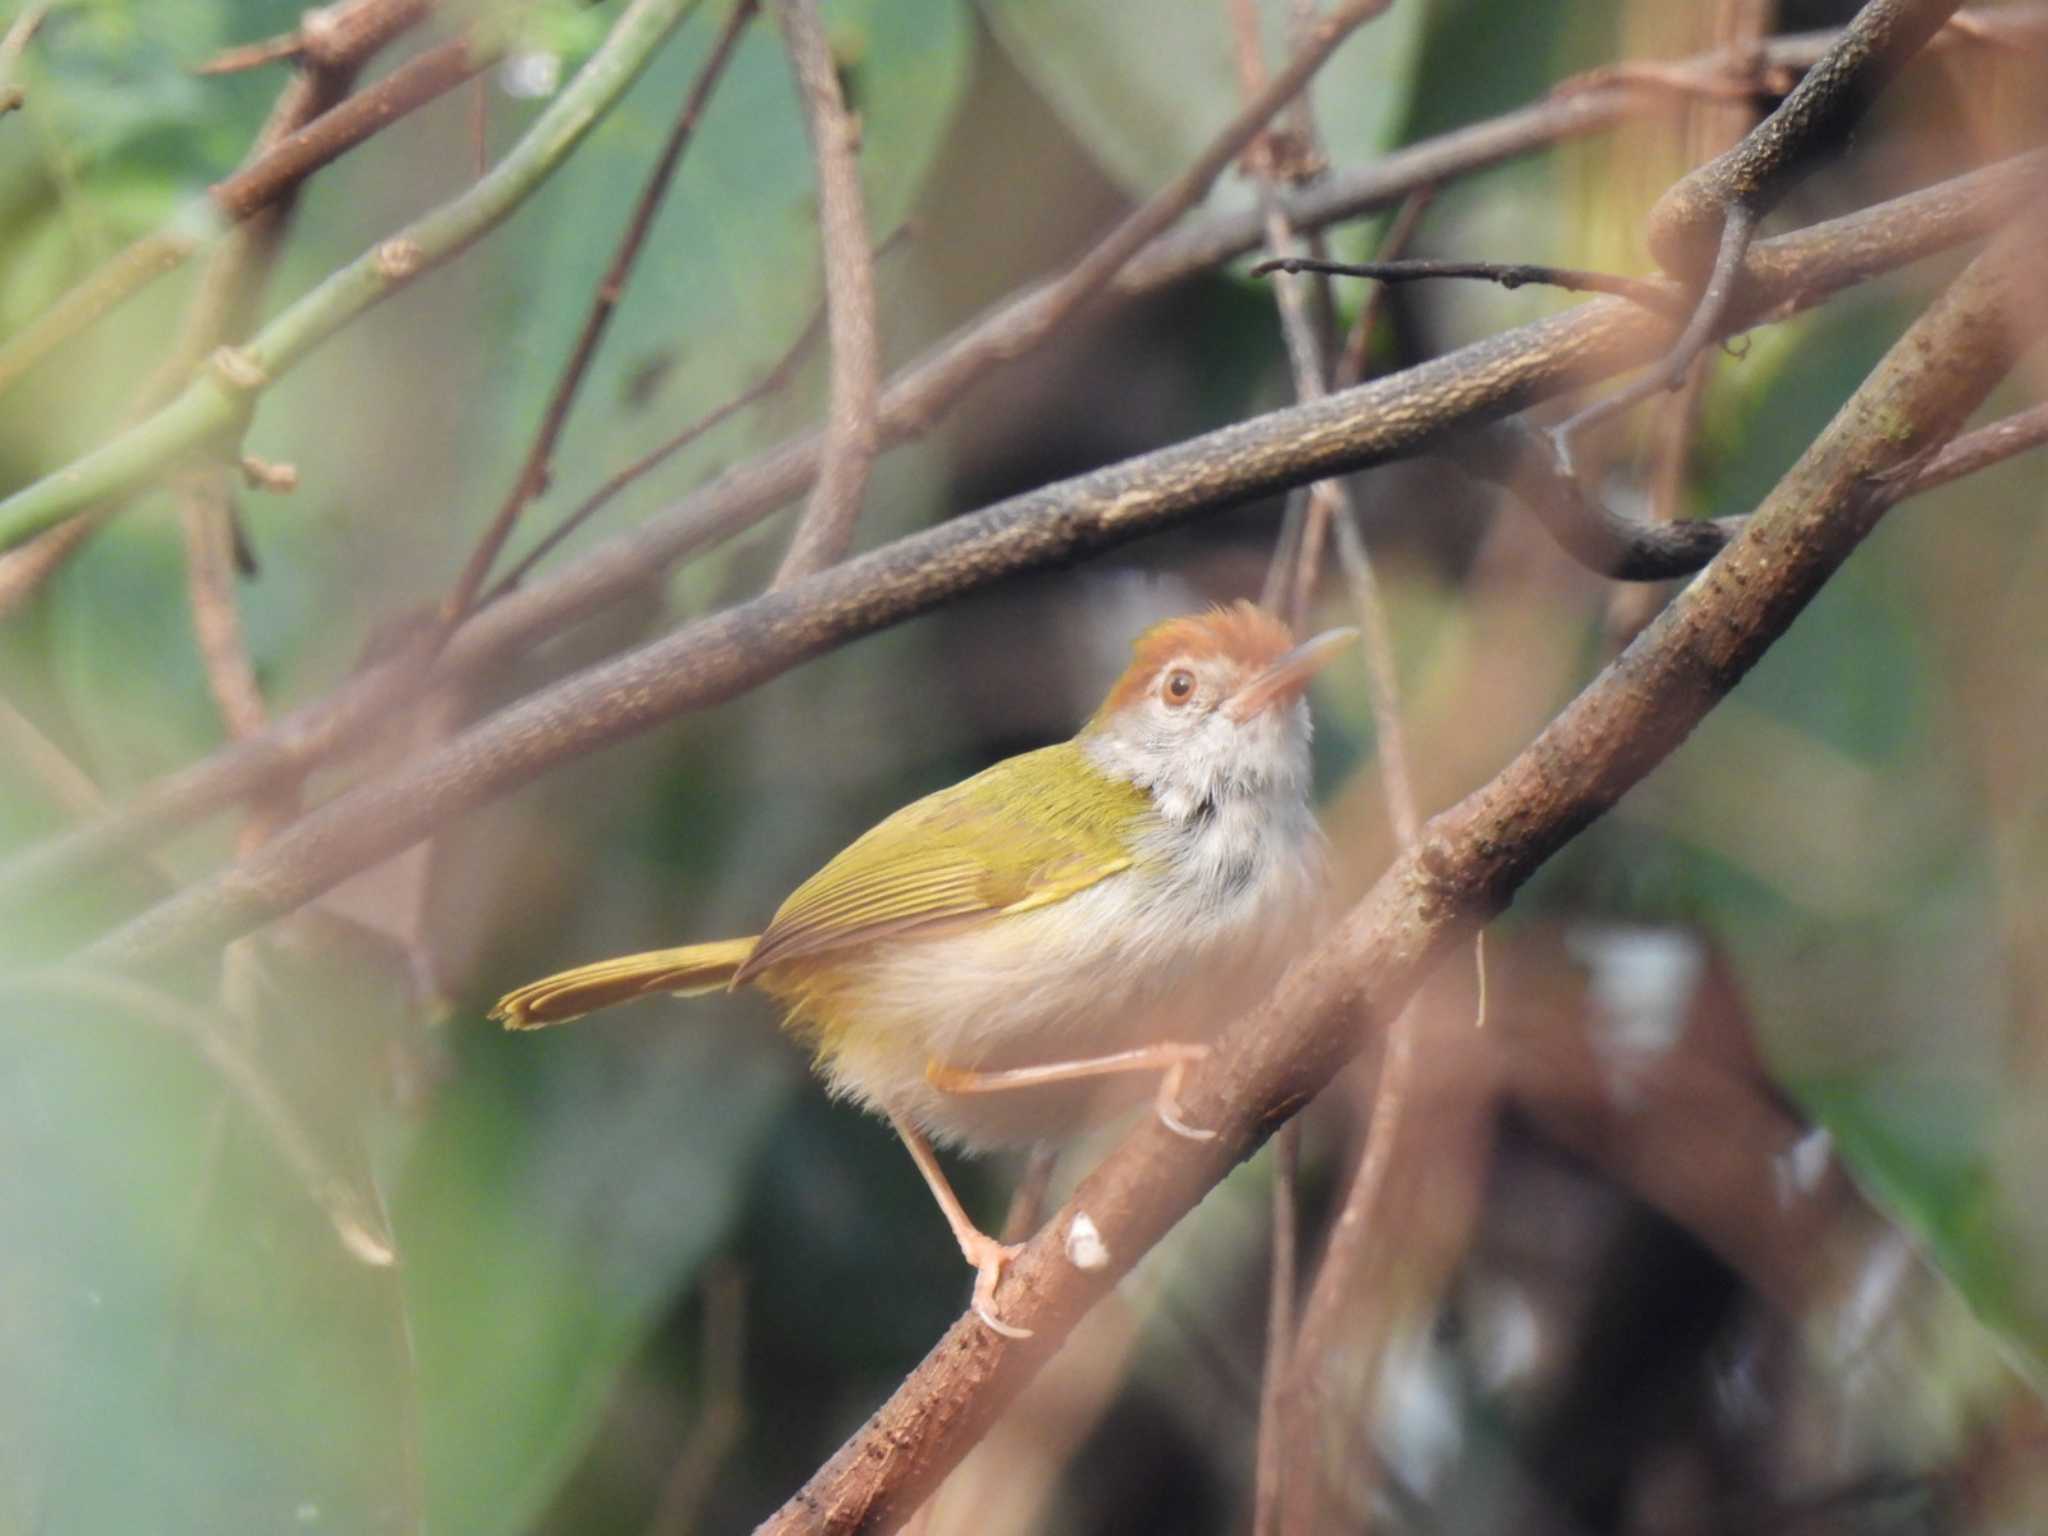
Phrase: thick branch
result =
(1472, 859)
(1390, 417)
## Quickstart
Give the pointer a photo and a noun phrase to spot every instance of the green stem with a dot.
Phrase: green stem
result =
(213, 403)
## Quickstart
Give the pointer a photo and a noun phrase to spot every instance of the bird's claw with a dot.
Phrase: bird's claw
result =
(988, 1258)
(1167, 1105)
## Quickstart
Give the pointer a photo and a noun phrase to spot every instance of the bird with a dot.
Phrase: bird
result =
(984, 963)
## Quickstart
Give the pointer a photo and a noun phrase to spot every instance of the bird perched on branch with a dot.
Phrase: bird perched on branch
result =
(987, 964)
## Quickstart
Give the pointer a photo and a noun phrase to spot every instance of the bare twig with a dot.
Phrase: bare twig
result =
(207, 516)
(25, 568)
(1281, 1283)
(69, 785)
(1468, 864)
(1649, 294)
(1388, 418)
(330, 36)
(772, 382)
(851, 439)
(533, 475)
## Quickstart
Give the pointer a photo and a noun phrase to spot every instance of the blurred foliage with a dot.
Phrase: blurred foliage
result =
(198, 1325)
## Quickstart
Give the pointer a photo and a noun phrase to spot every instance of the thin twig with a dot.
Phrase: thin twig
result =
(1281, 1282)
(851, 437)
(23, 742)
(329, 36)
(772, 382)
(534, 472)
(1389, 418)
(1509, 274)
(206, 514)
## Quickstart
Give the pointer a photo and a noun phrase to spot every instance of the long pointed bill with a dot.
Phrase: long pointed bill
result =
(1284, 680)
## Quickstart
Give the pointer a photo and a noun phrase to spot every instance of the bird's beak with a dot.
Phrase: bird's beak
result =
(1286, 678)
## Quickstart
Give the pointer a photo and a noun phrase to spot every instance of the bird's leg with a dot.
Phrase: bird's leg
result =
(1170, 1057)
(982, 1251)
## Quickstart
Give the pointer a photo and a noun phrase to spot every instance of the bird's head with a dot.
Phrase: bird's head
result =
(1211, 706)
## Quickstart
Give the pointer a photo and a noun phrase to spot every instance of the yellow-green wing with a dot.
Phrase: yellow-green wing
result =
(1031, 830)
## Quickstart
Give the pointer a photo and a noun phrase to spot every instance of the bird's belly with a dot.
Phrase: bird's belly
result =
(1111, 969)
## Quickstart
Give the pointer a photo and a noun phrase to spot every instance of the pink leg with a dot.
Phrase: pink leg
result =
(982, 1251)
(1170, 1057)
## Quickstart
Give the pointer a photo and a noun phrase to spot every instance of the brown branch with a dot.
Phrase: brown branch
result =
(239, 195)
(851, 439)
(1389, 418)
(207, 517)
(532, 479)
(24, 743)
(1509, 274)
(229, 296)
(1469, 864)
(331, 36)
(25, 568)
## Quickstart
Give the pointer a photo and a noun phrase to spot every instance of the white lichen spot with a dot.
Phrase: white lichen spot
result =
(1085, 1248)
(238, 369)
(398, 258)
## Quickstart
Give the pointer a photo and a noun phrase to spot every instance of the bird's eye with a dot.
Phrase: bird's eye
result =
(1179, 686)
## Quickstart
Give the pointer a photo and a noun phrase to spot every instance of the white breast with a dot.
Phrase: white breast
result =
(1172, 949)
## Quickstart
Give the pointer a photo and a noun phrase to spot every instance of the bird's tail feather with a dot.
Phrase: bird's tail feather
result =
(570, 994)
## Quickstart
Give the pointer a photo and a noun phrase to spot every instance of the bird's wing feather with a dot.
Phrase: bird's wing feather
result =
(1029, 831)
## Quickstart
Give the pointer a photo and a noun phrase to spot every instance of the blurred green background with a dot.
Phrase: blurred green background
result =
(308, 1245)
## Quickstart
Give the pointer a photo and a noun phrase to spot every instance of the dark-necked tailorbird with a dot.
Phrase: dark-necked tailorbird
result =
(981, 963)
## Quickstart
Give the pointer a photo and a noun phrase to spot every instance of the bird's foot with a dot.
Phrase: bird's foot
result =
(1167, 1104)
(988, 1258)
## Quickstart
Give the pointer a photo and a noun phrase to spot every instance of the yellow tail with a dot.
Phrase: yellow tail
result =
(570, 994)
